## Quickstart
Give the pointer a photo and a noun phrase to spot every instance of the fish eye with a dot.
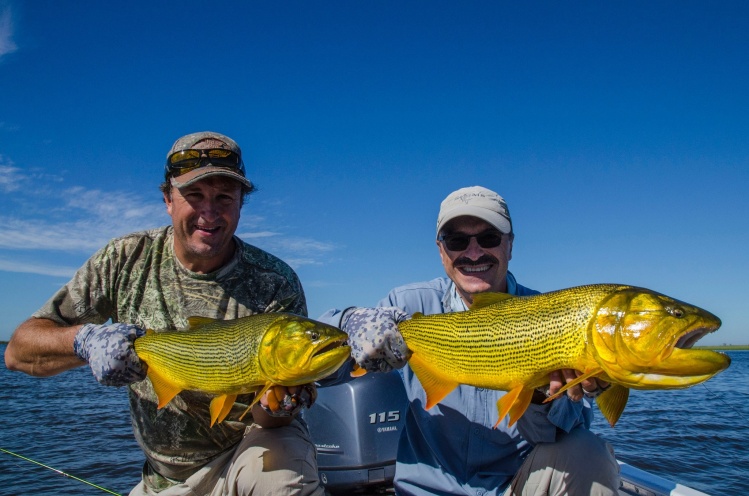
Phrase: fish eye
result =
(675, 312)
(314, 335)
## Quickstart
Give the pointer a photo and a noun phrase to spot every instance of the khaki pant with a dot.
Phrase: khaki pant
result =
(272, 462)
(546, 471)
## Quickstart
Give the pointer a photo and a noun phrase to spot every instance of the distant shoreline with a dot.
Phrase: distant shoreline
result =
(729, 347)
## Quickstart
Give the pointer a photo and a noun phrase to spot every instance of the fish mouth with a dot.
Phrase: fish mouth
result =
(696, 326)
(684, 366)
(691, 337)
(331, 346)
(675, 364)
(329, 357)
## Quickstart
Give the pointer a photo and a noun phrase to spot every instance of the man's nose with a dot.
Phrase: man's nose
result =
(209, 209)
(473, 250)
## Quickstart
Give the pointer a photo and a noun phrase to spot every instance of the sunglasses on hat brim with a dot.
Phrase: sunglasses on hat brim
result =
(184, 161)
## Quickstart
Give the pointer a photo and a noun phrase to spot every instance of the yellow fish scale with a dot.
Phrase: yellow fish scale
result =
(621, 334)
(246, 355)
(226, 363)
(501, 346)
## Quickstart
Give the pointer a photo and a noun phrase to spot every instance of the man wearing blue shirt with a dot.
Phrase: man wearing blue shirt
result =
(452, 449)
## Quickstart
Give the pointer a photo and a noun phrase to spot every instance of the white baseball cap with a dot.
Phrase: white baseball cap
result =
(475, 201)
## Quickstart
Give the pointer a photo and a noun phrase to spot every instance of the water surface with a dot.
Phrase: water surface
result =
(696, 437)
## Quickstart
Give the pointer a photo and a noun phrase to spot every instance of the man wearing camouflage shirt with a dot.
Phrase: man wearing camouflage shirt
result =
(156, 279)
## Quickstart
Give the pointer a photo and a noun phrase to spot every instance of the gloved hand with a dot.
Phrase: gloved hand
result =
(280, 402)
(108, 349)
(376, 343)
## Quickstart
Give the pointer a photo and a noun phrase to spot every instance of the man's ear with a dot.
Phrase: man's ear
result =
(168, 200)
(444, 257)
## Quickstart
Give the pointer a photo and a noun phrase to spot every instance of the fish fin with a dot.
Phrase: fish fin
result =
(163, 388)
(514, 404)
(196, 321)
(150, 332)
(482, 300)
(611, 402)
(221, 406)
(246, 410)
(357, 371)
(435, 387)
(417, 315)
(587, 375)
(259, 394)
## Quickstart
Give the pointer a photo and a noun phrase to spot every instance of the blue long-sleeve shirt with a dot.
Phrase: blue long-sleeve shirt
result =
(452, 448)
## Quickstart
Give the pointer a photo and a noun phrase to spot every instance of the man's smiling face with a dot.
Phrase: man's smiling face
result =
(475, 269)
(205, 216)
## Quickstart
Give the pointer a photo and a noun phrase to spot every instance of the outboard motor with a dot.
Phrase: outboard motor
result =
(356, 426)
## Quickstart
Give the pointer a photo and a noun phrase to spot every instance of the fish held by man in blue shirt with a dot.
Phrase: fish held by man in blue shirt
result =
(631, 337)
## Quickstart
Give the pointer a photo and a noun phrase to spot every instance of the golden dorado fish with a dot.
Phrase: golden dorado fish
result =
(628, 336)
(246, 355)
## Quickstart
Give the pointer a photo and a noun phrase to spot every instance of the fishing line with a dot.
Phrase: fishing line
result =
(60, 472)
(725, 403)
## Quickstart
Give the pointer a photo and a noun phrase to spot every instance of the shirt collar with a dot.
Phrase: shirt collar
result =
(452, 302)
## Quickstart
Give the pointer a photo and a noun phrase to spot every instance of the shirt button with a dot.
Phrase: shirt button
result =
(480, 492)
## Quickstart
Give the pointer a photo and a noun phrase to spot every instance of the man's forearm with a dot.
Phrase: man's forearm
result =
(42, 348)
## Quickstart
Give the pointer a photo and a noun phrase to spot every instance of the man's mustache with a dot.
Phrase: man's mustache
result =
(482, 260)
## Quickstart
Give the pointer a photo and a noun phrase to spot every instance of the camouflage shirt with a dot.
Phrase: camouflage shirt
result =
(137, 279)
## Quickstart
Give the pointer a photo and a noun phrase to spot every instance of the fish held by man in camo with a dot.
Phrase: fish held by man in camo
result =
(631, 337)
(246, 355)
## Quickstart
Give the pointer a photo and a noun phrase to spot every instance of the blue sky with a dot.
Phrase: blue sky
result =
(616, 131)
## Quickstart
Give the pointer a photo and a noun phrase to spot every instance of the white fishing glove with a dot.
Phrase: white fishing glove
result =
(376, 343)
(109, 351)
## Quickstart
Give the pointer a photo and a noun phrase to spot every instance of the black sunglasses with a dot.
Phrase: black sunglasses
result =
(460, 241)
(184, 161)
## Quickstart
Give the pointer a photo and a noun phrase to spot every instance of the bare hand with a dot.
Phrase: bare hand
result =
(559, 378)
(288, 400)
(277, 398)
(280, 404)
(593, 386)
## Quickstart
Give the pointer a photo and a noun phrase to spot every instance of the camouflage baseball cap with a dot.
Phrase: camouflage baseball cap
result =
(475, 201)
(188, 142)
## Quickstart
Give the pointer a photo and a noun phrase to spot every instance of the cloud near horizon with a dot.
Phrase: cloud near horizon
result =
(293, 250)
(46, 219)
(33, 268)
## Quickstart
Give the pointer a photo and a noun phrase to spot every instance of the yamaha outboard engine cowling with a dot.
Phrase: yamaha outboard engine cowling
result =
(356, 426)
